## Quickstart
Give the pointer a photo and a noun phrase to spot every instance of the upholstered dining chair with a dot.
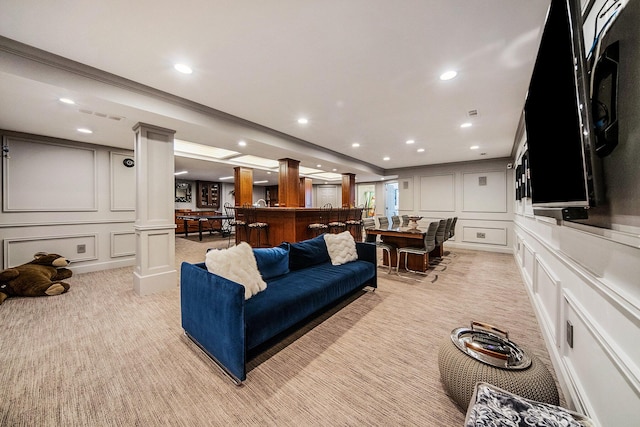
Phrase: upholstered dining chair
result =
(452, 230)
(395, 221)
(405, 220)
(383, 221)
(429, 245)
(369, 223)
(442, 225)
(447, 229)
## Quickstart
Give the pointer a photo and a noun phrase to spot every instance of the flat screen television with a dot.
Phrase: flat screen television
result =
(558, 121)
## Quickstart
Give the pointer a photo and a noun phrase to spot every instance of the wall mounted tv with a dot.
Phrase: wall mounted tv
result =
(558, 120)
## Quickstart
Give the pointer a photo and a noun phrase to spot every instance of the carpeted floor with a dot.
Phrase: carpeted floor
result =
(102, 356)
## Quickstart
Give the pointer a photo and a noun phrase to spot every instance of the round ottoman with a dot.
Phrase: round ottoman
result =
(460, 372)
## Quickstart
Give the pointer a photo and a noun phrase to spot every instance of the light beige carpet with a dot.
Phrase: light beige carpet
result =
(102, 356)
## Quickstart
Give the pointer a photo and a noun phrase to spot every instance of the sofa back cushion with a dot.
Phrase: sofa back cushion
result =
(272, 262)
(307, 253)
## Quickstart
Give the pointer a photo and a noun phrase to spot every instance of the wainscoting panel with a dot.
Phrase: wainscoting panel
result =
(32, 181)
(123, 244)
(528, 263)
(547, 291)
(588, 356)
(437, 193)
(490, 236)
(484, 192)
(123, 183)
(76, 248)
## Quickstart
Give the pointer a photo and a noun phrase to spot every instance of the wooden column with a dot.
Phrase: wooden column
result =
(155, 269)
(348, 190)
(289, 183)
(243, 185)
(306, 192)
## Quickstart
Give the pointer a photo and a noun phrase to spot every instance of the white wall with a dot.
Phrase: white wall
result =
(587, 279)
(74, 199)
(478, 193)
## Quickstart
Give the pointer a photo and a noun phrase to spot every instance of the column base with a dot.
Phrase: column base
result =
(154, 283)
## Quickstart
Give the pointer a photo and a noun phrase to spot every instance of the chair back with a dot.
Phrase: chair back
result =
(395, 221)
(440, 232)
(368, 223)
(384, 222)
(452, 231)
(250, 213)
(405, 220)
(447, 229)
(430, 236)
(230, 211)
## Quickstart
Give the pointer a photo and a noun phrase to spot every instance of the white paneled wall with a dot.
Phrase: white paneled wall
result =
(475, 192)
(70, 198)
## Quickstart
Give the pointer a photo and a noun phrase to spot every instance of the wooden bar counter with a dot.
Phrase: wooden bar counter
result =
(286, 224)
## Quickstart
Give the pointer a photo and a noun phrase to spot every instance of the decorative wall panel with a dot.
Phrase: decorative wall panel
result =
(437, 193)
(123, 182)
(484, 192)
(76, 248)
(37, 177)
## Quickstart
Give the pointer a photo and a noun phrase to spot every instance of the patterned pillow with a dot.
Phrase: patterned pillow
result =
(237, 264)
(493, 406)
(341, 248)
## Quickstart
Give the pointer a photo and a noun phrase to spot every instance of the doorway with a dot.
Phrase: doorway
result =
(391, 199)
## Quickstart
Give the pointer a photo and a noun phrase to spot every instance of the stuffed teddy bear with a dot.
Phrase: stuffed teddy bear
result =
(40, 277)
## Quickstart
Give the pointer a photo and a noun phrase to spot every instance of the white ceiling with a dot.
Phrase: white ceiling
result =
(361, 71)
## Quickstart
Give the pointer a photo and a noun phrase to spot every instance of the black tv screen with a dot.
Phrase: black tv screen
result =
(557, 114)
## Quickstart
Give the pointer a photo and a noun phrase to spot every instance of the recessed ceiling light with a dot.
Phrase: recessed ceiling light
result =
(67, 100)
(84, 130)
(181, 173)
(386, 158)
(184, 69)
(334, 169)
(420, 150)
(242, 143)
(410, 141)
(225, 177)
(355, 145)
(318, 166)
(465, 125)
(303, 120)
(474, 147)
(448, 75)
(264, 181)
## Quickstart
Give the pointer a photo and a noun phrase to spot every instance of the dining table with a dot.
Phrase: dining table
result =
(400, 237)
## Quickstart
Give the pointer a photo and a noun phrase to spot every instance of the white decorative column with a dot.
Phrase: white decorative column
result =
(155, 269)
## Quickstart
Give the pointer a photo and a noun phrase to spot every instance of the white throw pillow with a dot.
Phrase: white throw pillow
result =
(341, 247)
(239, 265)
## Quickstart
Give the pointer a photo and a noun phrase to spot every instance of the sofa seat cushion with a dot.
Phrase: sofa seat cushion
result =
(291, 298)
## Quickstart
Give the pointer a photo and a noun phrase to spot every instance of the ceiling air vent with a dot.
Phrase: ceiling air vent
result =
(472, 113)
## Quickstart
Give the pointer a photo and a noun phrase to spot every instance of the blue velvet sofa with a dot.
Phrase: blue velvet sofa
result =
(216, 316)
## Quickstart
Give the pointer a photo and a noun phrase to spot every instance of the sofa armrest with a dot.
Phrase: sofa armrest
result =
(368, 252)
(213, 316)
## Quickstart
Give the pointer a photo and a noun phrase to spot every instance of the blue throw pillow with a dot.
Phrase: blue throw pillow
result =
(307, 253)
(272, 262)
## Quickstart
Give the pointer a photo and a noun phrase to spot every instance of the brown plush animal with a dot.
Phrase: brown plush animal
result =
(40, 277)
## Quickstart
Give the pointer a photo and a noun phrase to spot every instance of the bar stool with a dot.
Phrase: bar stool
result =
(322, 224)
(340, 224)
(253, 223)
(354, 222)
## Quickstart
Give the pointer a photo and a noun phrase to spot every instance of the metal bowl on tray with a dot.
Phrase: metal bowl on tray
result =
(490, 345)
